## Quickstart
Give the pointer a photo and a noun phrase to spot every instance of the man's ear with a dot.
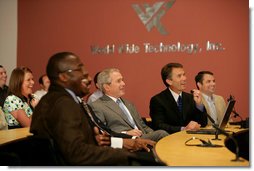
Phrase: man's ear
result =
(42, 86)
(199, 85)
(63, 77)
(106, 87)
(169, 81)
(97, 85)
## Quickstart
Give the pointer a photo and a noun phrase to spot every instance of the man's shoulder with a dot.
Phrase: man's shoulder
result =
(187, 97)
(219, 98)
(5, 88)
(126, 100)
(187, 94)
(161, 94)
(162, 98)
(99, 102)
(57, 96)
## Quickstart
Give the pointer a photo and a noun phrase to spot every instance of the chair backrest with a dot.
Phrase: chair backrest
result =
(242, 140)
(30, 151)
(3, 123)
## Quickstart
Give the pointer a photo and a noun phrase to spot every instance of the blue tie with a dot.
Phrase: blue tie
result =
(180, 104)
(121, 105)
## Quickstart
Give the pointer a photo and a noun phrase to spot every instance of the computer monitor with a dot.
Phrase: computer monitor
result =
(228, 111)
(223, 123)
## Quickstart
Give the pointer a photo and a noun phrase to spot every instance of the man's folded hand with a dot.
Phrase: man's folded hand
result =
(138, 144)
(103, 139)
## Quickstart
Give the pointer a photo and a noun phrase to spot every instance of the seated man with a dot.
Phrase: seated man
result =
(215, 105)
(173, 109)
(44, 84)
(97, 94)
(60, 117)
(3, 86)
(118, 113)
(3, 123)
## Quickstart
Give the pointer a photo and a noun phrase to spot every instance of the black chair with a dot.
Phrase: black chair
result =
(147, 121)
(30, 151)
(242, 140)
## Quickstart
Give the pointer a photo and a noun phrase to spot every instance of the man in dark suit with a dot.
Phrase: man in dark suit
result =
(60, 117)
(173, 109)
(117, 113)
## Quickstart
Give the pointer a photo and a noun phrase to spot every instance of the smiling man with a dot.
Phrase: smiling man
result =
(61, 117)
(118, 113)
(215, 105)
(173, 109)
(3, 87)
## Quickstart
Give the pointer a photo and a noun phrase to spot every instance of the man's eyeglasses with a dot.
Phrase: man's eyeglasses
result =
(86, 81)
(71, 70)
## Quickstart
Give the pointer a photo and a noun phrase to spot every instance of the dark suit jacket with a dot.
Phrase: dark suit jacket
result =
(3, 95)
(59, 117)
(165, 114)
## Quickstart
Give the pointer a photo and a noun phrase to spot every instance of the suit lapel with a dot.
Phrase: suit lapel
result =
(207, 109)
(174, 104)
(218, 106)
(185, 101)
(116, 109)
(206, 105)
(135, 117)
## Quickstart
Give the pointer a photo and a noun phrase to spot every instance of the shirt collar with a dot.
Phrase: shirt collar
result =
(113, 98)
(208, 98)
(5, 87)
(72, 95)
(175, 95)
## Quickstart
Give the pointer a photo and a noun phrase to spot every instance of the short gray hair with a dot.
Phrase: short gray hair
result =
(104, 77)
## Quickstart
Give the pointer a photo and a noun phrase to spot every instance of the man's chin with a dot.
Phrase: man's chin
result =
(86, 93)
(83, 94)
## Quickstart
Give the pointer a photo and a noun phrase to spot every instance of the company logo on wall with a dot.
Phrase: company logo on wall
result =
(151, 15)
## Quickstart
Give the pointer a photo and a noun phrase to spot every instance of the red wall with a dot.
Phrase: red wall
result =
(46, 27)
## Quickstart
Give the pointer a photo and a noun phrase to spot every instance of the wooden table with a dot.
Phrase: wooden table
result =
(13, 134)
(173, 151)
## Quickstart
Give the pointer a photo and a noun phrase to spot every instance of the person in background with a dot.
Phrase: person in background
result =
(173, 109)
(62, 117)
(19, 104)
(117, 113)
(3, 86)
(3, 123)
(215, 105)
(97, 94)
(44, 84)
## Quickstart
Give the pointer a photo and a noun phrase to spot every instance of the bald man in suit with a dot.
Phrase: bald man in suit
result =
(60, 117)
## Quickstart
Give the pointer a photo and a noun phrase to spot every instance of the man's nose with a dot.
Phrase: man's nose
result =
(184, 78)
